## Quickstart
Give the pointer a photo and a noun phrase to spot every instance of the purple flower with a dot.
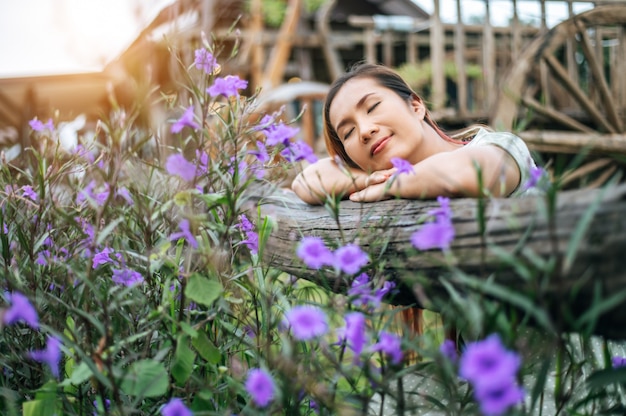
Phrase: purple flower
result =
(185, 233)
(488, 359)
(536, 173)
(354, 332)
(618, 361)
(306, 322)
(20, 310)
(314, 253)
(380, 293)
(175, 407)
(125, 195)
(260, 152)
(360, 290)
(279, 134)
(50, 356)
(496, 396)
(37, 125)
(43, 257)
(28, 191)
(391, 345)
(86, 193)
(227, 86)
(260, 385)
(127, 277)
(265, 122)
(204, 60)
(178, 165)
(203, 161)
(402, 166)
(99, 408)
(186, 120)
(439, 233)
(252, 238)
(84, 153)
(448, 350)
(103, 257)
(101, 197)
(350, 258)
(298, 151)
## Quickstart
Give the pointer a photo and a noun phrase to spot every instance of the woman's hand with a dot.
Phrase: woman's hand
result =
(376, 186)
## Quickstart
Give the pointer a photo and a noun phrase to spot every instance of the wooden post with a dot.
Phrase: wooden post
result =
(257, 49)
(516, 37)
(388, 47)
(280, 53)
(437, 48)
(459, 57)
(619, 68)
(322, 25)
(370, 46)
(489, 59)
(411, 48)
(572, 66)
(543, 69)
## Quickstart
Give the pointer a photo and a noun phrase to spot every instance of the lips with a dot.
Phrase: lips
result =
(379, 145)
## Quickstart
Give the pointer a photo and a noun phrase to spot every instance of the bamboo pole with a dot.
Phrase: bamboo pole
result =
(459, 57)
(436, 59)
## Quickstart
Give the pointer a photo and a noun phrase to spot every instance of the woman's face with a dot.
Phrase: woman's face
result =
(375, 124)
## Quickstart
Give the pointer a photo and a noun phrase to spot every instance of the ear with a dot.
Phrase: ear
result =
(417, 105)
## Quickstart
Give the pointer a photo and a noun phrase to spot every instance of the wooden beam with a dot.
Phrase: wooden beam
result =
(518, 227)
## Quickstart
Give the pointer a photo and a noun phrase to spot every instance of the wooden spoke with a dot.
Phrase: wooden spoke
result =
(560, 118)
(598, 76)
(578, 93)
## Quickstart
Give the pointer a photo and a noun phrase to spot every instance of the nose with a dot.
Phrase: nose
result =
(368, 131)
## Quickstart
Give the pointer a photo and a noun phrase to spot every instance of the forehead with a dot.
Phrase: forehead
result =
(350, 93)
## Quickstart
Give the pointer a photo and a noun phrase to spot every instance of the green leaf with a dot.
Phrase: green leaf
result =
(145, 378)
(44, 403)
(102, 235)
(214, 198)
(602, 378)
(80, 374)
(183, 360)
(202, 290)
(206, 348)
(38, 408)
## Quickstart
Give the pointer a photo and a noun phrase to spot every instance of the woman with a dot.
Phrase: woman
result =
(372, 119)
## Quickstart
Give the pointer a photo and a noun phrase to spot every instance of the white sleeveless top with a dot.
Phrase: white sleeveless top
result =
(518, 150)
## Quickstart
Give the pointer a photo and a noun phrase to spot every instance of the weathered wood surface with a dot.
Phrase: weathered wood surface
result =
(518, 227)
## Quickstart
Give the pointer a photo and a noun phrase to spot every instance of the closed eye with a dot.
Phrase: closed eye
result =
(369, 110)
(348, 133)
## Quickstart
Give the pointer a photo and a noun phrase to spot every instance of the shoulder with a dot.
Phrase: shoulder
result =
(513, 145)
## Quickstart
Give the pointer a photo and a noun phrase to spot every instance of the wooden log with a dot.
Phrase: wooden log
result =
(516, 230)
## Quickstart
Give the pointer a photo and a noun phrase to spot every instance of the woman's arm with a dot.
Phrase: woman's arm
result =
(325, 177)
(466, 172)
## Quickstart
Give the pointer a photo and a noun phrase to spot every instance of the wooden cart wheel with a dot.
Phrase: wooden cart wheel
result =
(567, 91)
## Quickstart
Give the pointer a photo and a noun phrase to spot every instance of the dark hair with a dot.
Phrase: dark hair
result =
(384, 76)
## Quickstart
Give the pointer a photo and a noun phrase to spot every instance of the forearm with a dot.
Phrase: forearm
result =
(324, 178)
(456, 175)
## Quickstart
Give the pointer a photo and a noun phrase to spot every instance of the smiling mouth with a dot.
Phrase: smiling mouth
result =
(379, 145)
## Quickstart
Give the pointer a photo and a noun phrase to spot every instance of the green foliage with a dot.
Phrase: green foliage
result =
(274, 10)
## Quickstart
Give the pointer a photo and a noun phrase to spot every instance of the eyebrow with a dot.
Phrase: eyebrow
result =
(358, 104)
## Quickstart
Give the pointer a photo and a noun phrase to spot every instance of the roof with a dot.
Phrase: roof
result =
(345, 8)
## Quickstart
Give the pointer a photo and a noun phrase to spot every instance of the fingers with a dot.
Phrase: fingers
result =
(372, 193)
(377, 177)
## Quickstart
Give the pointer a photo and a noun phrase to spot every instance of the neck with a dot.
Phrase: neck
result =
(432, 144)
